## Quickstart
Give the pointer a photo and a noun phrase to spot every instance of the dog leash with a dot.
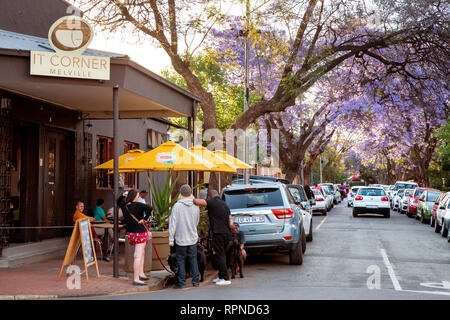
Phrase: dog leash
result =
(153, 244)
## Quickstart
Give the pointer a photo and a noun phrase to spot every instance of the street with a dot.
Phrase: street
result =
(345, 257)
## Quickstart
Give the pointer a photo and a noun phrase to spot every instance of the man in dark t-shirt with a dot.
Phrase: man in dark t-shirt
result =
(221, 225)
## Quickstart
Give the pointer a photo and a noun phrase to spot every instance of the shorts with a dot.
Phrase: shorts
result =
(137, 238)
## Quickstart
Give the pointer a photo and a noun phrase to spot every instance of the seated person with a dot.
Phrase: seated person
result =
(79, 208)
(99, 213)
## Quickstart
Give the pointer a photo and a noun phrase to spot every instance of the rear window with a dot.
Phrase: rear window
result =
(371, 192)
(432, 196)
(408, 192)
(418, 193)
(316, 192)
(253, 197)
(405, 186)
(400, 192)
(355, 190)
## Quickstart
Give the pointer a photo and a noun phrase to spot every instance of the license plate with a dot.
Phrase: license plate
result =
(372, 207)
(251, 219)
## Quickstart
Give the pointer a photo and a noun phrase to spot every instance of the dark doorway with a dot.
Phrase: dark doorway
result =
(24, 181)
(58, 163)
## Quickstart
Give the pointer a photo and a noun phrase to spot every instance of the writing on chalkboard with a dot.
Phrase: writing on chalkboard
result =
(86, 238)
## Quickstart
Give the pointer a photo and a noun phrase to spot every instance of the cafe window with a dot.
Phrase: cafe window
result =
(155, 138)
(130, 180)
(105, 152)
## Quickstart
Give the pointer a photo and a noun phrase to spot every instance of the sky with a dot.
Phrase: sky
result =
(144, 53)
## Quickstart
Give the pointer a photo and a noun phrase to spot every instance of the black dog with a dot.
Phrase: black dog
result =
(201, 261)
(235, 257)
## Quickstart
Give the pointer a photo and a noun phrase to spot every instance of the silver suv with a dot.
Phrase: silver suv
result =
(269, 218)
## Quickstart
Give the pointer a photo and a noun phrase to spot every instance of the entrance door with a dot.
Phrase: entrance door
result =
(57, 150)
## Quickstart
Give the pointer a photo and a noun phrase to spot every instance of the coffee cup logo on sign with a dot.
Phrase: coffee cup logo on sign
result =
(70, 34)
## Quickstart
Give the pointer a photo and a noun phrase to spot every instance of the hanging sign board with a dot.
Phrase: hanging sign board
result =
(81, 235)
(69, 36)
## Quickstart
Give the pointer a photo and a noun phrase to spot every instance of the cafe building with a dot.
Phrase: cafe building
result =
(56, 106)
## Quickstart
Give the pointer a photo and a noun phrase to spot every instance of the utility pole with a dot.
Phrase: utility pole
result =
(246, 97)
(321, 169)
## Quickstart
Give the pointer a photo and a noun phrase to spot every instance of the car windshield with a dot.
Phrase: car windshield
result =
(355, 190)
(400, 192)
(297, 194)
(253, 197)
(371, 192)
(432, 196)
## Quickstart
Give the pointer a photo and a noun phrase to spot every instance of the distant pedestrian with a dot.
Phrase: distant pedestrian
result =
(221, 225)
(134, 214)
(183, 235)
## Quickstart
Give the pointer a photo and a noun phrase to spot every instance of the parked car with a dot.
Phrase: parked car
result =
(435, 207)
(320, 201)
(414, 201)
(371, 200)
(329, 196)
(425, 205)
(396, 199)
(405, 185)
(441, 214)
(263, 178)
(335, 192)
(269, 218)
(403, 202)
(351, 196)
(298, 193)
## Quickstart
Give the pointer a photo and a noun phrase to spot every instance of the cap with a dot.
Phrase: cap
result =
(185, 190)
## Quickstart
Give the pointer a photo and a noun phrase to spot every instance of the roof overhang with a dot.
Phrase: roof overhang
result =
(142, 93)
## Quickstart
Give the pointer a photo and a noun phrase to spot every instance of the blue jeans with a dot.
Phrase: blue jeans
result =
(191, 253)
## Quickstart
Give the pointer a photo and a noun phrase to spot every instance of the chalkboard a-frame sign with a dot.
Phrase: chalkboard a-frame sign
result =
(81, 233)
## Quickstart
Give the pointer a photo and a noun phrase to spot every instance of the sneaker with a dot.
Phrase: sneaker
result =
(223, 282)
(216, 279)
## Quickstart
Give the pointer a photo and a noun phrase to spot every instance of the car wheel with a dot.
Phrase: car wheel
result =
(444, 230)
(348, 204)
(303, 241)
(355, 213)
(408, 214)
(324, 212)
(387, 214)
(437, 227)
(431, 222)
(295, 254)
(310, 235)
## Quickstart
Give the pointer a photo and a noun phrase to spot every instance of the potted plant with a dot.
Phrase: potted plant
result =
(162, 203)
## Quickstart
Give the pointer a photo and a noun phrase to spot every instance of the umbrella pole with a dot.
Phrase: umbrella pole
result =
(219, 184)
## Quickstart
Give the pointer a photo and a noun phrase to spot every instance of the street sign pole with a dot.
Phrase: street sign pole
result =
(246, 97)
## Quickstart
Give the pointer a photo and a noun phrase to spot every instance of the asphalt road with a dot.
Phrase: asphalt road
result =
(398, 258)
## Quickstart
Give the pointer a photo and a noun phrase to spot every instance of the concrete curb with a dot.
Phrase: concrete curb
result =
(29, 297)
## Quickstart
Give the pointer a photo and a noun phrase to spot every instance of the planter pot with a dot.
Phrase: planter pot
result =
(161, 241)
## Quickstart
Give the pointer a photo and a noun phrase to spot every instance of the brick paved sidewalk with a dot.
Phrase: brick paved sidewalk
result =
(39, 281)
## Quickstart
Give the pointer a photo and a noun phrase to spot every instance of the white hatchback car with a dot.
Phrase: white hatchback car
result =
(443, 216)
(320, 202)
(396, 199)
(371, 200)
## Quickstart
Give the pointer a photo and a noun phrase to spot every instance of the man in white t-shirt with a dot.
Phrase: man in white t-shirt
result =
(142, 196)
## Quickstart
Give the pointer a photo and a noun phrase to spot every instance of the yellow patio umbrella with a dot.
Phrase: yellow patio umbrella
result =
(238, 164)
(123, 159)
(168, 156)
(222, 165)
